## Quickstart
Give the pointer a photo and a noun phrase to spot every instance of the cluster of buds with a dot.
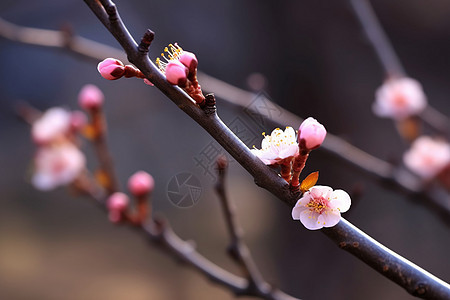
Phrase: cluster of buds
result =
(58, 159)
(141, 185)
(180, 68)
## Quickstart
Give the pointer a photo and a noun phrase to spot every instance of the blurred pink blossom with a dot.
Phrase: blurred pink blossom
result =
(57, 165)
(90, 97)
(117, 204)
(52, 125)
(189, 60)
(321, 207)
(141, 183)
(312, 133)
(427, 156)
(277, 147)
(399, 98)
(78, 120)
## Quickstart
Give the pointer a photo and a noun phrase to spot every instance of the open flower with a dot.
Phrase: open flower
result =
(427, 156)
(52, 125)
(321, 207)
(277, 147)
(57, 165)
(399, 98)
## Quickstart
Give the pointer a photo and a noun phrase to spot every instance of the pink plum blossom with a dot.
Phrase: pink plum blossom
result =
(78, 120)
(427, 156)
(111, 68)
(321, 207)
(90, 97)
(52, 125)
(117, 204)
(176, 54)
(312, 133)
(277, 147)
(141, 183)
(57, 165)
(399, 98)
(176, 73)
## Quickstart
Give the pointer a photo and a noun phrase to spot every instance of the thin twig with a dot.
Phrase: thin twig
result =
(419, 282)
(237, 248)
(343, 150)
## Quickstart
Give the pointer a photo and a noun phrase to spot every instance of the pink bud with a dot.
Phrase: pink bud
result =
(141, 183)
(77, 120)
(312, 133)
(90, 97)
(176, 73)
(111, 68)
(117, 203)
(189, 60)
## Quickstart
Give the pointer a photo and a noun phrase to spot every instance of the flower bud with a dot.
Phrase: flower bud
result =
(90, 97)
(189, 60)
(176, 73)
(312, 133)
(111, 68)
(141, 183)
(117, 204)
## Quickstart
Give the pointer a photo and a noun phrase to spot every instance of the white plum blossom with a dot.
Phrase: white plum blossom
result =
(52, 125)
(321, 207)
(399, 98)
(57, 165)
(277, 147)
(427, 156)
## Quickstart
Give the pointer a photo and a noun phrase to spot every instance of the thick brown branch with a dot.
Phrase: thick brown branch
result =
(267, 179)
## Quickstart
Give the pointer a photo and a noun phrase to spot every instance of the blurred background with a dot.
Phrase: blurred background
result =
(308, 56)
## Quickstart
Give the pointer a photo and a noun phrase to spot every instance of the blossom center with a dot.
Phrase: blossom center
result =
(173, 52)
(318, 205)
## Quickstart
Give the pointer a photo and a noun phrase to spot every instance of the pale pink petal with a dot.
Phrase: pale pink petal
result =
(296, 211)
(340, 200)
(310, 220)
(330, 218)
(318, 191)
(291, 150)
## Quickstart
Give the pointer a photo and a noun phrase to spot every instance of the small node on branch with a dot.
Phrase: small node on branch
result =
(146, 41)
(111, 10)
(209, 105)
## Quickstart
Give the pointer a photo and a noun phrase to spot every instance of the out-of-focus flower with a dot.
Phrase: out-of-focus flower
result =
(57, 165)
(312, 133)
(277, 147)
(141, 183)
(78, 120)
(117, 204)
(321, 207)
(427, 156)
(399, 98)
(90, 97)
(111, 68)
(52, 125)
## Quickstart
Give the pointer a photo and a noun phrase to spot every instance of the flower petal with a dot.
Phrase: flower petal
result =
(340, 200)
(329, 218)
(296, 211)
(310, 220)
